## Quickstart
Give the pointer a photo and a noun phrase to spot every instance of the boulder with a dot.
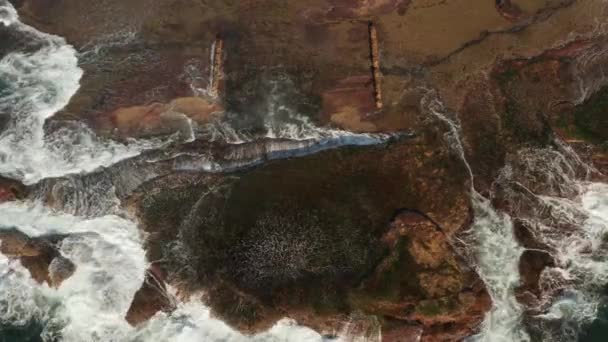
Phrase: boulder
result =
(438, 294)
(11, 190)
(308, 238)
(151, 298)
(39, 255)
(531, 265)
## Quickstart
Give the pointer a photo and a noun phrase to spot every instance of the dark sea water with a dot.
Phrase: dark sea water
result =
(598, 330)
(27, 333)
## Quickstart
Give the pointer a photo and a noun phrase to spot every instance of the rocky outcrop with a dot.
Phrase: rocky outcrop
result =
(40, 256)
(324, 237)
(11, 190)
(161, 119)
(151, 298)
(311, 51)
(306, 238)
(437, 294)
(531, 265)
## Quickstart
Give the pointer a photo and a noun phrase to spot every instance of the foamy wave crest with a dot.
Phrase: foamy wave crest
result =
(497, 256)
(567, 216)
(91, 304)
(489, 243)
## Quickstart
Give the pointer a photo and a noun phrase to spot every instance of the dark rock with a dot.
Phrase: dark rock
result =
(151, 298)
(296, 237)
(526, 237)
(11, 190)
(531, 265)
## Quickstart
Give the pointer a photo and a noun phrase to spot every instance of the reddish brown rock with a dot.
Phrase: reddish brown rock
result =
(11, 190)
(151, 298)
(157, 118)
(40, 256)
(313, 243)
(439, 296)
(350, 104)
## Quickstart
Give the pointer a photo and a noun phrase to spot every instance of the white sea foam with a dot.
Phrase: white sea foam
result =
(40, 84)
(192, 321)
(497, 254)
(491, 242)
(581, 270)
(91, 304)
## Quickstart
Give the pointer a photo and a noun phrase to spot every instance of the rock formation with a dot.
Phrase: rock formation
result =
(151, 298)
(40, 256)
(318, 246)
(361, 234)
(11, 190)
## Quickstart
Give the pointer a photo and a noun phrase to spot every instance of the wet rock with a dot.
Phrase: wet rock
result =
(11, 190)
(438, 294)
(484, 145)
(351, 104)
(157, 119)
(39, 255)
(151, 298)
(296, 237)
(526, 236)
(531, 265)
(164, 54)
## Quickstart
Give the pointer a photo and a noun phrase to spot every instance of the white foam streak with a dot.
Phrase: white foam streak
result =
(490, 238)
(8, 15)
(497, 255)
(581, 256)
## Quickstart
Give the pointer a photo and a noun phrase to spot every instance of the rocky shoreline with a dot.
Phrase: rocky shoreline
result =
(330, 234)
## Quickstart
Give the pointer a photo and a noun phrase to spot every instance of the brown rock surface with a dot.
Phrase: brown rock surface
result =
(11, 190)
(151, 298)
(157, 118)
(163, 52)
(512, 74)
(437, 294)
(300, 237)
(40, 256)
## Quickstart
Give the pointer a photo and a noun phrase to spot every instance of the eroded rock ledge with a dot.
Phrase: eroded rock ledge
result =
(311, 238)
(39, 255)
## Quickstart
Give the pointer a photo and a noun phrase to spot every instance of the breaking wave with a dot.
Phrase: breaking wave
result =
(548, 189)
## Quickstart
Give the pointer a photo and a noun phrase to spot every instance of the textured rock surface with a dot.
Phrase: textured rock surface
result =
(323, 237)
(40, 256)
(151, 298)
(299, 237)
(11, 190)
